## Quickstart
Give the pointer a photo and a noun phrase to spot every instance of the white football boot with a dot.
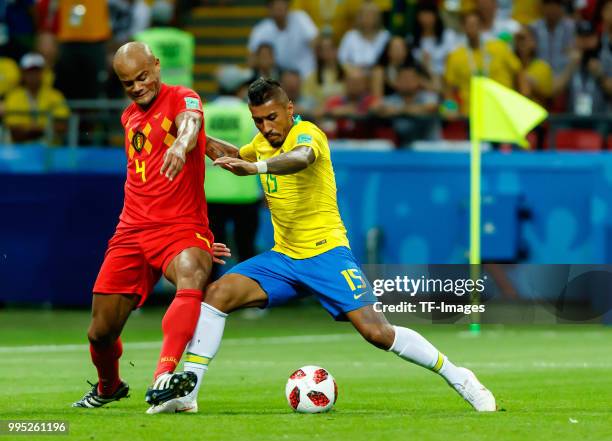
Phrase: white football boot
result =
(472, 391)
(177, 405)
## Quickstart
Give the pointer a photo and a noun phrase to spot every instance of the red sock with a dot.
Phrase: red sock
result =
(178, 326)
(106, 360)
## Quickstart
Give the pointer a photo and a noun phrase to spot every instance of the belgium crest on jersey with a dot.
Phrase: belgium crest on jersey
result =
(138, 141)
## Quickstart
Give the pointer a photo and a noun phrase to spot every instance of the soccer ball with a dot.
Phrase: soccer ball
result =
(311, 389)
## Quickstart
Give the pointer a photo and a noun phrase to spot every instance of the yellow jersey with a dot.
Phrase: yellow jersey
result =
(303, 205)
(541, 75)
(21, 110)
(494, 59)
(9, 75)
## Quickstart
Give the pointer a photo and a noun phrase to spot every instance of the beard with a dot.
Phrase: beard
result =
(277, 141)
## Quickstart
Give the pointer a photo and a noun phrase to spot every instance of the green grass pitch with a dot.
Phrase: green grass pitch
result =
(553, 383)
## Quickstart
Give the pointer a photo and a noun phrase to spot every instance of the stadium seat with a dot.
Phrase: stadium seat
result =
(455, 130)
(532, 139)
(578, 139)
(387, 133)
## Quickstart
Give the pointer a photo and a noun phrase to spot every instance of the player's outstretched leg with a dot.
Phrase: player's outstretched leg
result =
(189, 271)
(413, 347)
(231, 292)
(109, 314)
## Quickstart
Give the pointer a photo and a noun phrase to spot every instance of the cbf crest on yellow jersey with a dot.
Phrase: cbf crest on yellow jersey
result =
(303, 205)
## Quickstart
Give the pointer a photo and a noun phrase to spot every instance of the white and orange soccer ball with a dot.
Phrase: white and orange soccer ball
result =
(311, 389)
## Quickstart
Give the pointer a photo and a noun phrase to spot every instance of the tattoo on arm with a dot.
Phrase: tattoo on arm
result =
(217, 148)
(189, 124)
(291, 162)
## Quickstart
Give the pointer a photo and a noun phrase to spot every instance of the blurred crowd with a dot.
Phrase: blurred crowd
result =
(354, 61)
(57, 50)
(364, 69)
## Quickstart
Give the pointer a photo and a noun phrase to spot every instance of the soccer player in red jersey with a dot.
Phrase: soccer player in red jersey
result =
(163, 229)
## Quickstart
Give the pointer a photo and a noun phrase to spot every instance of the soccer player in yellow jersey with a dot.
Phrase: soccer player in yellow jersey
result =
(311, 255)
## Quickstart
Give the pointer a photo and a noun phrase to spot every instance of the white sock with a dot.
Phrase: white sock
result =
(412, 346)
(451, 373)
(204, 344)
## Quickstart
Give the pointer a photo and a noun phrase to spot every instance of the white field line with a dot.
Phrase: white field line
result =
(305, 339)
(321, 338)
(393, 363)
(311, 338)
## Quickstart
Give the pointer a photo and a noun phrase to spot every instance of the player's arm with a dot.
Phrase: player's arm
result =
(217, 148)
(189, 124)
(287, 163)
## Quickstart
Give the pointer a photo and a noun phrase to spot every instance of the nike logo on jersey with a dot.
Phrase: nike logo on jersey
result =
(358, 296)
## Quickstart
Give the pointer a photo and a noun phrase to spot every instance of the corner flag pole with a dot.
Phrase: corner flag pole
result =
(475, 196)
(475, 204)
(497, 113)
(475, 201)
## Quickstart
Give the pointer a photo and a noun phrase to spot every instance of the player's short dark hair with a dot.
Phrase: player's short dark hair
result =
(263, 90)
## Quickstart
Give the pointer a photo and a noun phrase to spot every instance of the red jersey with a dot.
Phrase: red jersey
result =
(151, 199)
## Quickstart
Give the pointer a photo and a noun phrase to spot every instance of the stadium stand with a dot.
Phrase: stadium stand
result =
(221, 37)
(575, 85)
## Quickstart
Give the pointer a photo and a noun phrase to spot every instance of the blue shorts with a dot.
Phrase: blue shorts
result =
(333, 277)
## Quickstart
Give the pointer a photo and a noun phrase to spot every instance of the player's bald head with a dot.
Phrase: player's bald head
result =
(139, 72)
(133, 55)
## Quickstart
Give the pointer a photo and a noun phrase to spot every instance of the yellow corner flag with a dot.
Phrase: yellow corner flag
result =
(496, 114)
(501, 114)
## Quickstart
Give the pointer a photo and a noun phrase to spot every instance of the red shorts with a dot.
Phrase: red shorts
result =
(136, 258)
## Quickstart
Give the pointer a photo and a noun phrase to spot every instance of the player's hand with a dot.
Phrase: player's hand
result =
(220, 250)
(174, 160)
(237, 166)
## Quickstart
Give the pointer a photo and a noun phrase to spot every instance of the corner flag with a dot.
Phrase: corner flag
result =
(501, 114)
(497, 113)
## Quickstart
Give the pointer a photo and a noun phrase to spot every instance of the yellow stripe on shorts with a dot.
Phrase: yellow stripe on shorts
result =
(193, 358)
(439, 363)
(199, 236)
